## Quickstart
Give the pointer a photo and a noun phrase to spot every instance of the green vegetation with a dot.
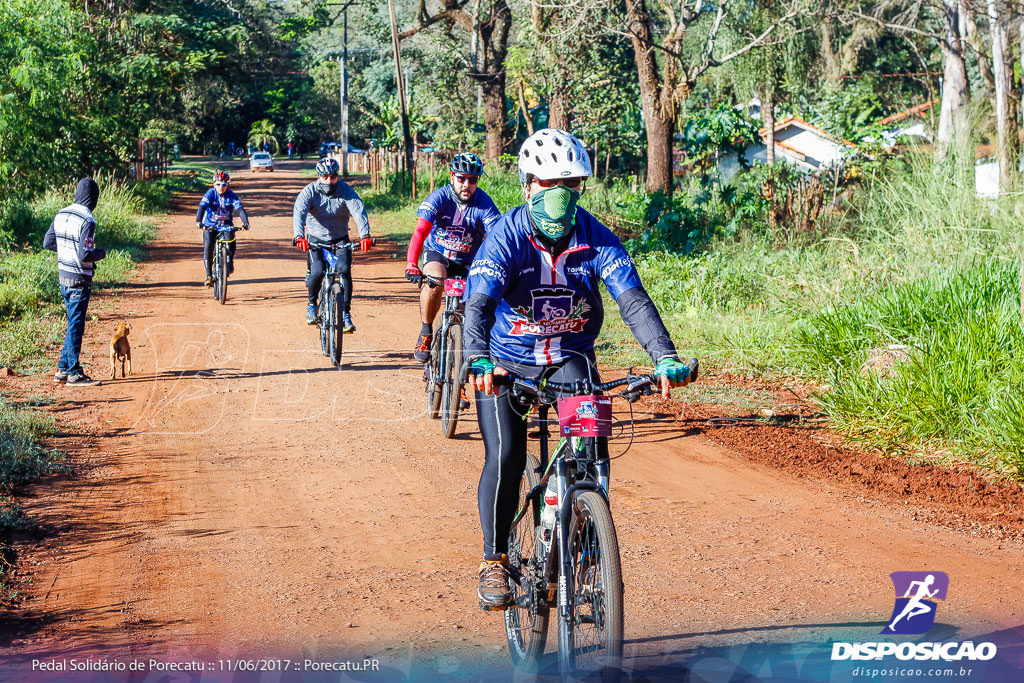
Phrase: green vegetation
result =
(917, 262)
(22, 457)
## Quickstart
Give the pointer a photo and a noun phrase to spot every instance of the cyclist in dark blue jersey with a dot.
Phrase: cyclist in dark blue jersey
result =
(534, 307)
(451, 225)
(217, 207)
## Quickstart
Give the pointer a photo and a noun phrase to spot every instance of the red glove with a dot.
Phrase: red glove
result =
(365, 244)
(413, 274)
(302, 243)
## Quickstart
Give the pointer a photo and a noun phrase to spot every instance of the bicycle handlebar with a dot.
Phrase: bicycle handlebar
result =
(636, 385)
(351, 245)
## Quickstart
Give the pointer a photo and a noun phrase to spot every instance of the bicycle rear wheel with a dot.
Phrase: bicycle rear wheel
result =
(434, 377)
(526, 625)
(336, 329)
(450, 389)
(590, 643)
(221, 283)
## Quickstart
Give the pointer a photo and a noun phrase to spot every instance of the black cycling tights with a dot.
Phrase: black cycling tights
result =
(209, 243)
(317, 267)
(504, 431)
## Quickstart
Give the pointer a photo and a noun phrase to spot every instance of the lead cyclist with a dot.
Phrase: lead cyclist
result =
(534, 307)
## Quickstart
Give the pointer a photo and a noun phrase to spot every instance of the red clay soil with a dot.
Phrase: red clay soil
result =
(959, 498)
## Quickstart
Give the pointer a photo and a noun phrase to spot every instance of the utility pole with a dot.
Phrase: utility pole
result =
(343, 86)
(400, 83)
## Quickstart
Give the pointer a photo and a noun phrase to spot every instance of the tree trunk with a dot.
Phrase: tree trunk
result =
(494, 117)
(768, 118)
(494, 34)
(1002, 75)
(978, 45)
(659, 110)
(832, 72)
(525, 109)
(558, 117)
(659, 153)
(953, 124)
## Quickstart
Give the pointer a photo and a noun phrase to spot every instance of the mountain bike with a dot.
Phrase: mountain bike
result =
(443, 390)
(568, 558)
(332, 297)
(219, 268)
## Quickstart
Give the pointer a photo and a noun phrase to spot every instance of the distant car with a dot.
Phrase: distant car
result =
(261, 161)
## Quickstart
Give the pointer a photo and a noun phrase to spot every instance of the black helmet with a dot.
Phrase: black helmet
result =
(327, 167)
(466, 163)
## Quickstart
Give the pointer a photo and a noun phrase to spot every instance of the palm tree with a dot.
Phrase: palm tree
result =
(263, 132)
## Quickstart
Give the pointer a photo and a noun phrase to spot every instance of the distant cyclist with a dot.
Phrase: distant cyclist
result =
(217, 208)
(321, 214)
(452, 223)
(535, 308)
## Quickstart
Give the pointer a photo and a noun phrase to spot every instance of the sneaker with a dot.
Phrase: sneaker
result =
(82, 380)
(208, 282)
(311, 314)
(463, 399)
(347, 326)
(231, 267)
(493, 590)
(422, 351)
(60, 376)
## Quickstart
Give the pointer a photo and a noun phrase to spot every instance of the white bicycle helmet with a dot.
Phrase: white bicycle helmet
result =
(552, 153)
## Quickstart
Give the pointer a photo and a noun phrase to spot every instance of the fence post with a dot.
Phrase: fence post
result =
(432, 171)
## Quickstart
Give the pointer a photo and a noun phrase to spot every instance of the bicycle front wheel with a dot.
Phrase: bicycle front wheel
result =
(336, 330)
(590, 641)
(434, 377)
(221, 283)
(526, 623)
(450, 390)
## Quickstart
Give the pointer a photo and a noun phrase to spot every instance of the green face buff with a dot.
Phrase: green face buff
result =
(554, 210)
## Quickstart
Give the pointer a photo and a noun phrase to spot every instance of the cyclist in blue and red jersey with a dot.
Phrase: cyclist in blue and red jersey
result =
(217, 207)
(534, 307)
(452, 223)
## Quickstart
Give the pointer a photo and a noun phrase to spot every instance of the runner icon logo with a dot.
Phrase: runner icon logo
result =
(917, 596)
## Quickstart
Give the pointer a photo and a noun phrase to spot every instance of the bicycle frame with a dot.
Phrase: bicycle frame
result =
(453, 313)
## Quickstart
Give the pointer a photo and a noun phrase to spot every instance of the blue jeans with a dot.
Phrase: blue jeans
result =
(76, 301)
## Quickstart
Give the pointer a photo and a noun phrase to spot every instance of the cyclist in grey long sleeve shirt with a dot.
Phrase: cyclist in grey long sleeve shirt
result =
(321, 217)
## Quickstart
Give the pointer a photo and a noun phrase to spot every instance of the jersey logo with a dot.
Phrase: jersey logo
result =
(553, 312)
(454, 239)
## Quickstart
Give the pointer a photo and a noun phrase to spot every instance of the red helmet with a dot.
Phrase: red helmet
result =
(221, 177)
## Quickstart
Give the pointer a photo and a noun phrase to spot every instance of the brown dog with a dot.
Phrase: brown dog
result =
(120, 350)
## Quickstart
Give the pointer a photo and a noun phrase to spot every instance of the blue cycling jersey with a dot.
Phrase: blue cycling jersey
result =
(549, 309)
(217, 205)
(458, 228)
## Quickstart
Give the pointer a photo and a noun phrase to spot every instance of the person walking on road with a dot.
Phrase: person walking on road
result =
(72, 234)
(321, 214)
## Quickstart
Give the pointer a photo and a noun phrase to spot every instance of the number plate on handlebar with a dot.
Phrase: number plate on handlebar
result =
(585, 416)
(453, 287)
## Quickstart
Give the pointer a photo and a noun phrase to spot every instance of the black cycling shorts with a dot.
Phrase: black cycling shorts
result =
(453, 269)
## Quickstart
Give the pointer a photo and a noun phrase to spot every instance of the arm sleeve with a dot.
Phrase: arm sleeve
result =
(299, 214)
(50, 238)
(419, 236)
(476, 337)
(640, 314)
(87, 251)
(358, 212)
(491, 216)
(199, 212)
(243, 215)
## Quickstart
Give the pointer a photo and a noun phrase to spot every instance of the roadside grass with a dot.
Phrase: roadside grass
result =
(22, 457)
(914, 259)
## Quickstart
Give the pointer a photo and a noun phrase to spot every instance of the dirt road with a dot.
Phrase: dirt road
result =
(237, 496)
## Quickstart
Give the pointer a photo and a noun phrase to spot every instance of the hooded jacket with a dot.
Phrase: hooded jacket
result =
(323, 217)
(72, 235)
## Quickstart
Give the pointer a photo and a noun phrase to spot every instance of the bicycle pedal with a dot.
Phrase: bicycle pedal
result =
(492, 608)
